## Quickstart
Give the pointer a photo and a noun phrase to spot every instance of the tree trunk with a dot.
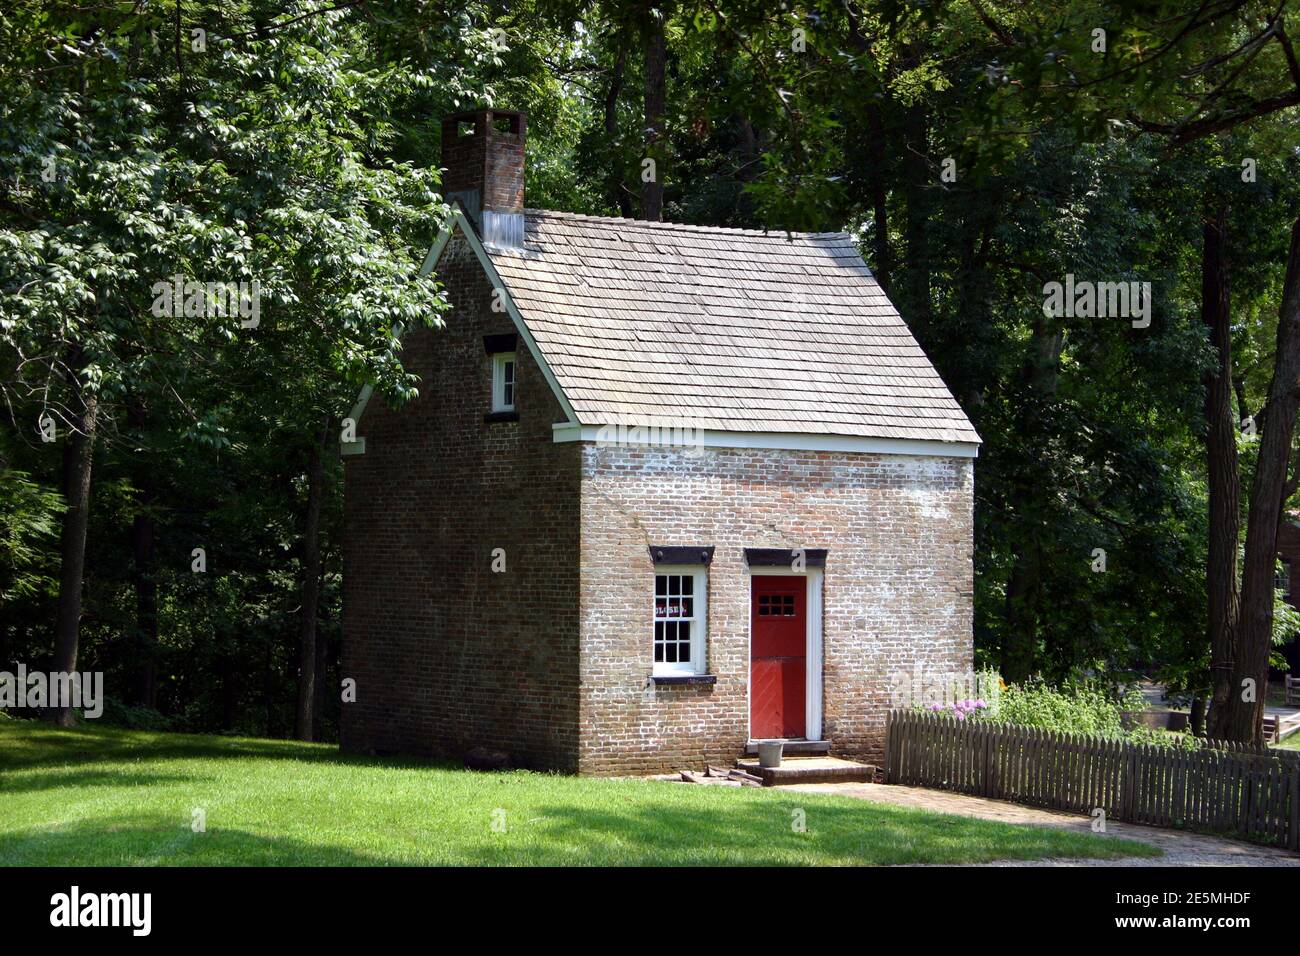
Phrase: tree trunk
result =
(1244, 720)
(1197, 718)
(1221, 470)
(268, 688)
(146, 606)
(915, 283)
(229, 690)
(874, 148)
(311, 585)
(1019, 645)
(78, 455)
(617, 171)
(322, 676)
(656, 54)
(1041, 375)
(750, 156)
(143, 578)
(879, 212)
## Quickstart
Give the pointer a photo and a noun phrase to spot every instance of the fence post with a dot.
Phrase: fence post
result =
(1293, 834)
(986, 777)
(1129, 802)
(889, 747)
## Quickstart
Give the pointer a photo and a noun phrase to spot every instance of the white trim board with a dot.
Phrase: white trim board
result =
(793, 441)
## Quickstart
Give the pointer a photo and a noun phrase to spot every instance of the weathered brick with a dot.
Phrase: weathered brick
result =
(551, 660)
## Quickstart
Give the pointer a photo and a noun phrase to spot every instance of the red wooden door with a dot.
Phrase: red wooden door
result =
(777, 657)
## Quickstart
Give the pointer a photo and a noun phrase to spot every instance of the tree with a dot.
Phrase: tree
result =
(251, 157)
(1187, 74)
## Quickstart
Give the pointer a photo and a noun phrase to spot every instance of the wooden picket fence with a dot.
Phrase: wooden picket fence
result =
(1228, 788)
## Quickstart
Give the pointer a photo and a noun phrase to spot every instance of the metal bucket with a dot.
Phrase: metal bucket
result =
(769, 753)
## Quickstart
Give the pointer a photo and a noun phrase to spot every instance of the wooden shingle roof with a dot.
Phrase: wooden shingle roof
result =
(722, 329)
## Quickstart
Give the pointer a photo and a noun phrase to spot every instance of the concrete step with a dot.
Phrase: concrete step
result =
(809, 770)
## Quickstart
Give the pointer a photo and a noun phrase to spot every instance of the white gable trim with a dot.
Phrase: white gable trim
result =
(791, 441)
(513, 311)
(458, 220)
(357, 447)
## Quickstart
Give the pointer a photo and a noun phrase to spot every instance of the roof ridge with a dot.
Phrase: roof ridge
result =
(686, 226)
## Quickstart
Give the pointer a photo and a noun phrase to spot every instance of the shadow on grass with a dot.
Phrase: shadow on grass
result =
(155, 840)
(756, 834)
(761, 833)
(25, 744)
(34, 783)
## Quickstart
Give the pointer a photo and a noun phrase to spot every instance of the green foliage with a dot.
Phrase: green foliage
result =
(281, 152)
(1286, 628)
(29, 517)
(119, 714)
(1153, 737)
(1082, 706)
(300, 149)
(1075, 707)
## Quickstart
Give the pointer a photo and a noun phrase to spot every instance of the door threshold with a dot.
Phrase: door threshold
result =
(796, 745)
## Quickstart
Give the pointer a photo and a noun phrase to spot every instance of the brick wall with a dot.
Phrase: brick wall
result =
(448, 655)
(490, 160)
(898, 589)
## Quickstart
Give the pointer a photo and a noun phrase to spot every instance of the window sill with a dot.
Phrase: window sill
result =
(501, 417)
(671, 679)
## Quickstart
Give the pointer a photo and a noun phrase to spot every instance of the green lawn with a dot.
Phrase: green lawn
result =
(101, 796)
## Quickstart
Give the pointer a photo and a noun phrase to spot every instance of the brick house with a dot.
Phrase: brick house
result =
(666, 490)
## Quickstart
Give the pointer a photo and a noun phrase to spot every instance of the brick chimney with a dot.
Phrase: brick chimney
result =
(483, 154)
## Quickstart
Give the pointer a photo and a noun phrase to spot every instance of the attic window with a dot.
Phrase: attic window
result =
(464, 128)
(503, 382)
(506, 124)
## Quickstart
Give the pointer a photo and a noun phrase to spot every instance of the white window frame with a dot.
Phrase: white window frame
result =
(499, 360)
(699, 624)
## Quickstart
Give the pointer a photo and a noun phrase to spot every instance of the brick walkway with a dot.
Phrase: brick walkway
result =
(1181, 847)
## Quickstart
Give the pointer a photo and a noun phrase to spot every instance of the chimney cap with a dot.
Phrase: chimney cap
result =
(469, 114)
(518, 119)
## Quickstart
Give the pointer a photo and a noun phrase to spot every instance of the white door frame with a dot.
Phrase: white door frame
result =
(815, 579)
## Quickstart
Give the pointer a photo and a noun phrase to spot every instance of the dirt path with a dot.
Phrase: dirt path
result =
(1181, 847)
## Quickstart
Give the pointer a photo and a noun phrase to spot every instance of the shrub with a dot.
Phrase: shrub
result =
(961, 709)
(1076, 707)
(118, 714)
(1164, 738)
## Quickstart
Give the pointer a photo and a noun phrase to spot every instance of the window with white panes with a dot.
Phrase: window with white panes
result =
(680, 613)
(503, 382)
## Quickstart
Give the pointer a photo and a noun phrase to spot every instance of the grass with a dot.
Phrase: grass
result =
(101, 796)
